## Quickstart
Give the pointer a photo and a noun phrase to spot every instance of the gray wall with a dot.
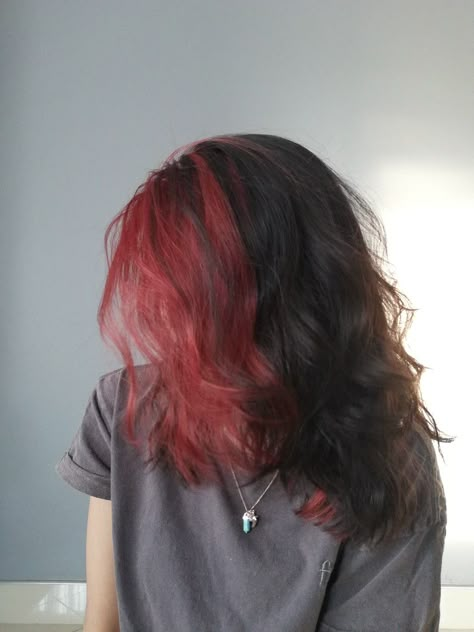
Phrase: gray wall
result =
(95, 94)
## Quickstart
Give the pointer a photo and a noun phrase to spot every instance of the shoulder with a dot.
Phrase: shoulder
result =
(423, 492)
(108, 382)
(428, 483)
(113, 388)
(421, 495)
(116, 383)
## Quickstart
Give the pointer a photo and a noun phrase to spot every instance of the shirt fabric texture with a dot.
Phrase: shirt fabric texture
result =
(184, 564)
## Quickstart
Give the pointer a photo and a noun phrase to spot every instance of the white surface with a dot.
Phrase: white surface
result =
(64, 603)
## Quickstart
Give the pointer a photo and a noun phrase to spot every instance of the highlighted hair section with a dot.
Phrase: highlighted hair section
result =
(241, 271)
(187, 299)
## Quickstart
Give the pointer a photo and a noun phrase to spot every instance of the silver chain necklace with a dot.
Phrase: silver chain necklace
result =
(250, 519)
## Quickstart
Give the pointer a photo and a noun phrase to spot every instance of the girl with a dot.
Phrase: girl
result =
(270, 467)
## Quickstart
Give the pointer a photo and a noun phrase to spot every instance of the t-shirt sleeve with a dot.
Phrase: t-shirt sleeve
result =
(393, 587)
(86, 465)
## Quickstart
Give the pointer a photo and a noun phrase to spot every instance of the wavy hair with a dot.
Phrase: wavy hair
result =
(246, 272)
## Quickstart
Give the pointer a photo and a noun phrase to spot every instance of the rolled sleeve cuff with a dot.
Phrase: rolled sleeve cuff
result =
(81, 479)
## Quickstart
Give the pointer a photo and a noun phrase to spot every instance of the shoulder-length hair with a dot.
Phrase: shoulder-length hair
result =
(246, 271)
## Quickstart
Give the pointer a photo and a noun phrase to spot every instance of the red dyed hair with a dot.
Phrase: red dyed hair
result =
(188, 297)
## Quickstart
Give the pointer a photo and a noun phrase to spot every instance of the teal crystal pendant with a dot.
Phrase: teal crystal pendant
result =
(249, 520)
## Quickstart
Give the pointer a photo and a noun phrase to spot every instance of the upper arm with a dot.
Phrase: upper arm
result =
(101, 608)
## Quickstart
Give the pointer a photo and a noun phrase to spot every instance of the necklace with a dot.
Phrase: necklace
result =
(250, 519)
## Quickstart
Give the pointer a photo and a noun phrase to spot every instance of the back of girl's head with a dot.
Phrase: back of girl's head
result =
(249, 275)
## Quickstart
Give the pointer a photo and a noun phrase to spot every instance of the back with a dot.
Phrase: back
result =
(183, 562)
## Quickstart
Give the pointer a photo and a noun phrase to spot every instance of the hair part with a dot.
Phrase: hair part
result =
(242, 270)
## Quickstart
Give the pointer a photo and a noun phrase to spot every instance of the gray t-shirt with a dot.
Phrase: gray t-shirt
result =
(184, 564)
